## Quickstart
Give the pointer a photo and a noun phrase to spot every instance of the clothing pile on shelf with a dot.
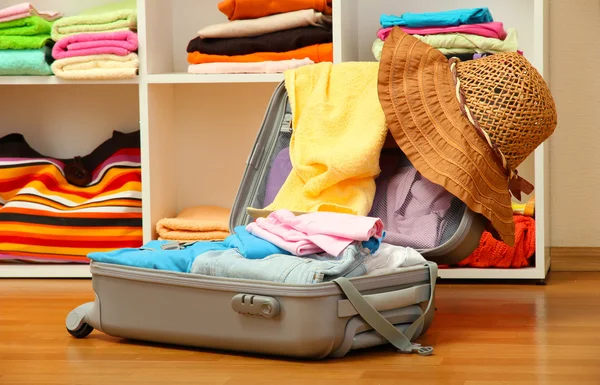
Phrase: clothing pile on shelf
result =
(199, 223)
(100, 43)
(527, 208)
(25, 41)
(466, 33)
(264, 37)
(307, 249)
(60, 210)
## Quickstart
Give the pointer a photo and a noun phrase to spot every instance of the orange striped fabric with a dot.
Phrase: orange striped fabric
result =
(46, 218)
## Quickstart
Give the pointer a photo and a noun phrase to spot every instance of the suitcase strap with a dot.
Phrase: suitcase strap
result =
(402, 341)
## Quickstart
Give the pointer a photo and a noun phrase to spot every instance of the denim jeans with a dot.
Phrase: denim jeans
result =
(282, 268)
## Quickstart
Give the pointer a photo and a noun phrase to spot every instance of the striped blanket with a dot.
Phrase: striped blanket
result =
(45, 217)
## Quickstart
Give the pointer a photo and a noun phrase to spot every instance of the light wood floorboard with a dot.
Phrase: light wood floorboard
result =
(483, 334)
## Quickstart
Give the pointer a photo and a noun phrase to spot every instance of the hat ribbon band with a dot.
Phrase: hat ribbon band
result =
(516, 183)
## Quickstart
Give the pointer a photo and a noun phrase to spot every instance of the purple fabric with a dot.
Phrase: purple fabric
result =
(280, 169)
(411, 207)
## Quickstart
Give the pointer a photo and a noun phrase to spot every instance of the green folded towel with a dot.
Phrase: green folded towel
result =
(105, 22)
(23, 42)
(96, 21)
(26, 62)
(111, 7)
(29, 26)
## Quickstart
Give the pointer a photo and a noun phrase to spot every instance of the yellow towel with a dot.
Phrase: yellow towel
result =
(200, 223)
(339, 131)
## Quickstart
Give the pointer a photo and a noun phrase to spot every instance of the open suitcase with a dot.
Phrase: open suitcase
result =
(314, 321)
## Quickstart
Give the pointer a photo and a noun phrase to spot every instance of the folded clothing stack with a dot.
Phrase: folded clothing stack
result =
(306, 249)
(200, 223)
(25, 41)
(59, 210)
(466, 33)
(100, 43)
(263, 36)
(527, 209)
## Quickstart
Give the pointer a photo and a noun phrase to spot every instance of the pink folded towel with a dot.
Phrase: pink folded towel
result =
(23, 10)
(120, 43)
(264, 67)
(315, 232)
(494, 29)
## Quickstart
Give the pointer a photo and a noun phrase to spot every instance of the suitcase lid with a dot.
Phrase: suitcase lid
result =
(415, 212)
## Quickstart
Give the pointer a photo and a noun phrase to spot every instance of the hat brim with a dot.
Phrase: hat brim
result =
(418, 96)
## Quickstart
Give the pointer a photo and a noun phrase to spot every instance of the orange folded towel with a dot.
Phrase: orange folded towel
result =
(494, 253)
(317, 53)
(200, 223)
(252, 9)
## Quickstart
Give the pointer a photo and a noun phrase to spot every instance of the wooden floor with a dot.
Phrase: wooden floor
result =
(482, 334)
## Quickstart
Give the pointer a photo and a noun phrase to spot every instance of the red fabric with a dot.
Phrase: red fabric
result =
(494, 253)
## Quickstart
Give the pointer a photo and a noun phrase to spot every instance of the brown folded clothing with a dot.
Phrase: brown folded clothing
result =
(252, 9)
(200, 223)
(279, 41)
(317, 53)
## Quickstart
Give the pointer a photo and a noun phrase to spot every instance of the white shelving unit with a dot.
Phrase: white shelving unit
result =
(197, 130)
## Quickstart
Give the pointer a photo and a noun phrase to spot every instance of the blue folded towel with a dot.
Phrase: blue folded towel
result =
(151, 256)
(26, 62)
(438, 19)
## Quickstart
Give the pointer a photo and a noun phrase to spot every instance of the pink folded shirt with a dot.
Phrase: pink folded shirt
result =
(120, 43)
(494, 29)
(315, 232)
(23, 10)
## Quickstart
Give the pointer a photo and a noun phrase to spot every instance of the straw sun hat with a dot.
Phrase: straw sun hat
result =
(467, 125)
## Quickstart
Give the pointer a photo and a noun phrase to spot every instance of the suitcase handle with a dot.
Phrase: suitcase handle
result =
(388, 301)
(402, 341)
(257, 305)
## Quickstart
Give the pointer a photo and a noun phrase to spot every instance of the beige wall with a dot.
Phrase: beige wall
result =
(575, 145)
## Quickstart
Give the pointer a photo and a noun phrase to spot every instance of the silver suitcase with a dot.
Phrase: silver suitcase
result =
(315, 321)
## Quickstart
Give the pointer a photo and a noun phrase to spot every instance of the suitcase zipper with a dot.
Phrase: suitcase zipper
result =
(286, 125)
(412, 276)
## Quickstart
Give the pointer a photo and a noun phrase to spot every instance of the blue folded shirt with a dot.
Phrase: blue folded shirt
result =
(251, 246)
(438, 19)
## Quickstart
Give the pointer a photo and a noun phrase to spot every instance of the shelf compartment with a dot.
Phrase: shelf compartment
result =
(204, 136)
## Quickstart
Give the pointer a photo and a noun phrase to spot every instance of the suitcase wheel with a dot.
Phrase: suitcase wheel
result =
(82, 331)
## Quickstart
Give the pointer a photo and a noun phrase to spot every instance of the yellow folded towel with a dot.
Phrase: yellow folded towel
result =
(339, 131)
(97, 67)
(199, 223)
